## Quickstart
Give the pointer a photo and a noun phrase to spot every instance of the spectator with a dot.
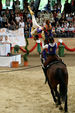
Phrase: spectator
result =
(71, 30)
(12, 18)
(67, 8)
(0, 21)
(58, 15)
(55, 8)
(13, 6)
(26, 31)
(11, 12)
(7, 25)
(73, 6)
(1, 39)
(58, 30)
(25, 15)
(17, 5)
(55, 16)
(21, 23)
(0, 6)
(62, 20)
(69, 18)
(38, 19)
(73, 19)
(13, 25)
(52, 19)
(21, 14)
(42, 20)
(17, 18)
(7, 13)
(47, 7)
(4, 19)
(59, 7)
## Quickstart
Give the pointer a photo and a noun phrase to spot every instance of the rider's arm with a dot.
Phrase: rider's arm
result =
(44, 46)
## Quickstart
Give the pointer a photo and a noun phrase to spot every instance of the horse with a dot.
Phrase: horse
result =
(57, 74)
(57, 77)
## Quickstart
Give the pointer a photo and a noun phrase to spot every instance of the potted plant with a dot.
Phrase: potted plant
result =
(16, 48)
(25, 56)
(15, 64)
(25, 59)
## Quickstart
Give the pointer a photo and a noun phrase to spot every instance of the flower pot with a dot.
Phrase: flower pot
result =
(25, 63)
(15, 64)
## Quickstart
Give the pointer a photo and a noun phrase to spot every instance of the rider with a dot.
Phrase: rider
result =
(35, 25)
(51, 47)
(47, 30)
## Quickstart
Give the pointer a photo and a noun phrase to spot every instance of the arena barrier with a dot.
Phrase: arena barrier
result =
(65, 46)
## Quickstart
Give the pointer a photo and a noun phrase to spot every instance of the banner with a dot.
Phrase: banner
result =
(4, 49)
(15, 37)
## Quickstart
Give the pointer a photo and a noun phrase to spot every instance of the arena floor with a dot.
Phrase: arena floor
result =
(22, 90)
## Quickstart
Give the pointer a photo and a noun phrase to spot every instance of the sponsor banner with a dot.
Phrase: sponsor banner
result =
(15, 37)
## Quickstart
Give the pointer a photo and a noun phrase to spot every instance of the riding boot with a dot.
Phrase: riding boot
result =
(45, 73)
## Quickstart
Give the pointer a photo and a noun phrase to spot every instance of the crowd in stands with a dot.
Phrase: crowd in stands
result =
(62, 25)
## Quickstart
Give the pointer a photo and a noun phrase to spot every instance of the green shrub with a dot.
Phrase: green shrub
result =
(25, 57)
(16, 48)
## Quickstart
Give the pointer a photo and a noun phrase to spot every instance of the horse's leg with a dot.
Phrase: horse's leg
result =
(65, 107)
(52, 92)
(58, 96)
(56, 91)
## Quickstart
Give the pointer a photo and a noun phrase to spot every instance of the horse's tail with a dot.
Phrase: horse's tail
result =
(62, 87)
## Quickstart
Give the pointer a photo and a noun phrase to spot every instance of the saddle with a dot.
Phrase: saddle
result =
(51, 59)
(54, 62)
(49, 63)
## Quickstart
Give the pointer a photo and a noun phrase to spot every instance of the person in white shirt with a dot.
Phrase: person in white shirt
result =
(1, 39)
(58, 15)
(17, 18)
(21, 23)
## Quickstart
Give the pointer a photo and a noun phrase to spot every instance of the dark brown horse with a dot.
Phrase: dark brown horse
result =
(57, 76)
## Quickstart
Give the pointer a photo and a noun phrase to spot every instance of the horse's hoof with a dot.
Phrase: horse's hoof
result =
(60, 108)
(66, 112)
(56, 105)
